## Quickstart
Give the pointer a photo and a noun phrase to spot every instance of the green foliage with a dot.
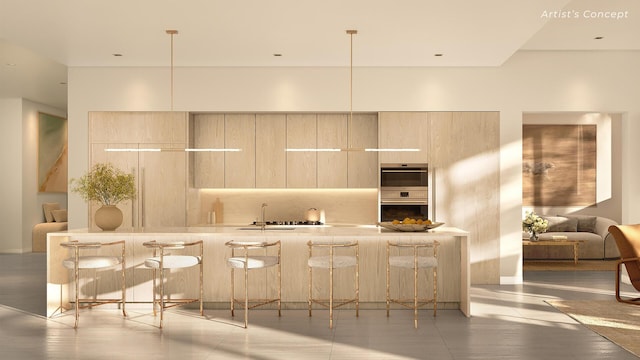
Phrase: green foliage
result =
(105, 184)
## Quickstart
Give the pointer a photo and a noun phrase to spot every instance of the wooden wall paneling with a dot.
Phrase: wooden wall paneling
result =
(465, 157)
(301, 166)
(240, 167)
(271, 159)
(332, 166)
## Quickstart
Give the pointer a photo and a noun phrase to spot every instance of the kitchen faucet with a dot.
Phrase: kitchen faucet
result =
(263, 223)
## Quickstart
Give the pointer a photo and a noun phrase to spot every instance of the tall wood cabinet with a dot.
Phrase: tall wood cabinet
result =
(161, 176)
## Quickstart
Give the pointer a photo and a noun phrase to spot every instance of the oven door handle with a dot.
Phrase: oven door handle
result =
(404, 171)
(404, 202)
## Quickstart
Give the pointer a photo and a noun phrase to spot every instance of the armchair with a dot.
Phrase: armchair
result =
(628, 241)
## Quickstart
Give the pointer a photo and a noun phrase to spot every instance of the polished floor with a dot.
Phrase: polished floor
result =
(508, 322)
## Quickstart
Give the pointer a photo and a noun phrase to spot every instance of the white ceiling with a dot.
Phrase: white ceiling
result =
(39, 39)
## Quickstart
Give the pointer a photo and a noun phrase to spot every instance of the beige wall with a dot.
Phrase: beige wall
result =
(528, 82)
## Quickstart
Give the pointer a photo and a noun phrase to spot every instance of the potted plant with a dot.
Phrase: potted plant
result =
(108, 186)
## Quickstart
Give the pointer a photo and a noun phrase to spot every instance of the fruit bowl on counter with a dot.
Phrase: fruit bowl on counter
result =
(409, 225)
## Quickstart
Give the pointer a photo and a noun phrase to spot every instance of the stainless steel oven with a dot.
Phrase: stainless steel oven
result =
(404, 176)
(404, 191)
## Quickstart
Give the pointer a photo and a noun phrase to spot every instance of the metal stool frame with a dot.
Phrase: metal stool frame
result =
(244, 247)
(80, 245)
(162, 247)
(332, 303)
(416, 302)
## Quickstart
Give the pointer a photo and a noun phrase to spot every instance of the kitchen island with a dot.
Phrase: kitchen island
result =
(453, 265)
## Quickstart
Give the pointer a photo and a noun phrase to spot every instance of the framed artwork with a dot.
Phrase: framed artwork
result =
(52, 153)
(559, 165)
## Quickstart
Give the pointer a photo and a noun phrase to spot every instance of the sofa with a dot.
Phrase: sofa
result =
(55, 220)
(598, 243)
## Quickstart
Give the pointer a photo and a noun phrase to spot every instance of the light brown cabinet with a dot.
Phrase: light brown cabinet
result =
(332, 166)
(271, 158)
(240, 166)
(404, 130)
(206, 131)
(301, 166)
(362, 171)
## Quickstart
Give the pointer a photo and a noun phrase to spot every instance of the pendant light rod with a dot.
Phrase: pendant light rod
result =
(350, 124)
(172, 32)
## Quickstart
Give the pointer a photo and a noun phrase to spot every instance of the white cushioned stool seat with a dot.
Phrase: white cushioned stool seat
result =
(93, 262)
(254, 262)
(408, 261)
(341, 261)
(173, 261)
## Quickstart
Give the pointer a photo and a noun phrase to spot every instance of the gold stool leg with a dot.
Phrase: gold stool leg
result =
(310, 282)
(388, 279)
(124, 283)
(415, 293)
(77, 278)
(331, 287)
(246, 293)
(435, 290)
(161, 296)
(233, 292)
(357, 280)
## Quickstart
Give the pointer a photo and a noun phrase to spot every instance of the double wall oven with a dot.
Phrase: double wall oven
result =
(404, 191)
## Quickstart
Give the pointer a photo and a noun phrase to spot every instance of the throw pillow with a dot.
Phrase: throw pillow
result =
(59, 215)
(47, 208)
(586, 223)
(561, 224)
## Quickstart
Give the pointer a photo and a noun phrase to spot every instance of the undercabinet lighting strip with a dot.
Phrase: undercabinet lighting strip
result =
(350, 149)
(213, 150)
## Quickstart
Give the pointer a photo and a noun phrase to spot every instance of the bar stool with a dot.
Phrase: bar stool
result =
(331, 262)
(242, 258)
(414, 261)
(163, 260)
(78, 262)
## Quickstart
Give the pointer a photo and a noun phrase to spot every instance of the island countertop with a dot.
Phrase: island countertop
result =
(453, 264)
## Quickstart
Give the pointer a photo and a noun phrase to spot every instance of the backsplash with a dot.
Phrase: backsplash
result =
(242, 206)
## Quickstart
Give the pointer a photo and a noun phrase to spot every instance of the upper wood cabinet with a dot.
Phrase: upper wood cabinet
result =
(403, 130)
(271, 158)
(138, 127)
(363, 167)
(207, 167)
(240, 166)
(332, 166)
(301, 166)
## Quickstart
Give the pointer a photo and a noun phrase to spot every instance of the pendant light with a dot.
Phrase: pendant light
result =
(172, 33)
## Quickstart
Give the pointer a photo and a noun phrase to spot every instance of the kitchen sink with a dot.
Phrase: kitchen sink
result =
(272, 228)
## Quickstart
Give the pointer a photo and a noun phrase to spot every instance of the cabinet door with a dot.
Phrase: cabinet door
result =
(332, 166)
(403, 130)
(162, 191)
(240, 167)
(301, 166)
(271, 159)
(363, 166)
(207, 132)
(137, 127)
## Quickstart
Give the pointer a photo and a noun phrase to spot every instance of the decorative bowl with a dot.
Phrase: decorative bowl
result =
(409, 227)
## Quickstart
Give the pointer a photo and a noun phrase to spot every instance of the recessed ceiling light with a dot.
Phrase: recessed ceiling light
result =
(117, 55)
(277, 55)
(63, 83)
(598, 38)
(10, 64)
(438, 54)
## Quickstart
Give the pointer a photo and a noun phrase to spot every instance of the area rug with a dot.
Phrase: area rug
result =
(569, 265)
(617, 322)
